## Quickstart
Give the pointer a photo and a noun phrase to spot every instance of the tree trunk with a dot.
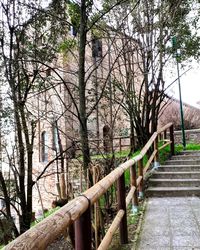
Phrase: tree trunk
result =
(7, 202)
(82, 96)
(132, 138)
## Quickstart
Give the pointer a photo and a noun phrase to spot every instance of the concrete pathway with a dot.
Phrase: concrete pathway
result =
(171, 224)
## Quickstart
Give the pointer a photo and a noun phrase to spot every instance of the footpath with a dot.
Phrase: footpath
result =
(171, 223)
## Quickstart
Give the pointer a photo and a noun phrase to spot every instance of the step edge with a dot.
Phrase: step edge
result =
(174, 180)
(173, 189)
(182, 172)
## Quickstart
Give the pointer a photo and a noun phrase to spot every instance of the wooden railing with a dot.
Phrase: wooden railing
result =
(78, 211)
(97, 146)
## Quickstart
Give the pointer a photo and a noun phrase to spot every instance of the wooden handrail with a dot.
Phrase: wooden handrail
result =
(106, 241)
(167, 126)
(45, 232)
(102, 139)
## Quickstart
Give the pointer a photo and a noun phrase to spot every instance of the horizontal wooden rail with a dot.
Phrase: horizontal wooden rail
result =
(112, 229)
(139, 179)
(45, 232)
(114, 138)
(164, 145)
(129, 197)
(167, 126)
(49, 229)
(149, 162)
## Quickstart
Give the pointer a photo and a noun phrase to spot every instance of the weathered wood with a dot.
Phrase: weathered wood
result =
(112, 229)
(156, 157)
(166, 140)
(52, 227)
(164, 145)
(40, 236)
(96, 209)
(83, 231)
(167, 126)
(149, 162)
(45, 232)
(139, 179)
(103, 185)
(133, 175)
(130, 195)
(148, 145)
(122, 205)
(140, 170)
(165, 134)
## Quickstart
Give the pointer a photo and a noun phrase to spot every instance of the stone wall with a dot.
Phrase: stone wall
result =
(171, 113)
(192, 136)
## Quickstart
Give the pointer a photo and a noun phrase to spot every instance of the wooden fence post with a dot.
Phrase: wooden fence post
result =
(156, 158)
(122, 205)
(83, 233)
(134, 184)
(165, 134)
(120, 145)
(140, 170)
(171, 129)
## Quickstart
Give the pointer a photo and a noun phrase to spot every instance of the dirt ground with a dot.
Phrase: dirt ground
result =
(59, 244)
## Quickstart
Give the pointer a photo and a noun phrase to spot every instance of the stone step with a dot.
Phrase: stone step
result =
(179, 176)
(172, 191)
(182, 162)
(174, 182)
(176, 175)
(189, 152)
(178, 168)
(188, 157)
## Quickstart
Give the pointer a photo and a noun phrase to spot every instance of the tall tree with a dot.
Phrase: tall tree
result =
(151, 26)
(25, 47)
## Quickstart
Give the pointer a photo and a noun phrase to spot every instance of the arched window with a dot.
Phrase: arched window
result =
(96, 47)
(44, 146)
(55, 138)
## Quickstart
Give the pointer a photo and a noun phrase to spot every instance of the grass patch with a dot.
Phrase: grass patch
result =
(189, 146)
(125, 153)
(49, 212)
(122, 154)
(164, 154)
(132, 219)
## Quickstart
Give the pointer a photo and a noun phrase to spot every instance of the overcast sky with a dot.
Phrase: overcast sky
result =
(190, 86)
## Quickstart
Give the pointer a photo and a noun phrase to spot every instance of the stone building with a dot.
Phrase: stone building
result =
(56, 109)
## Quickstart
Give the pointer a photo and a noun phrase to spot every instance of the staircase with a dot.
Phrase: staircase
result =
(180, 176)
